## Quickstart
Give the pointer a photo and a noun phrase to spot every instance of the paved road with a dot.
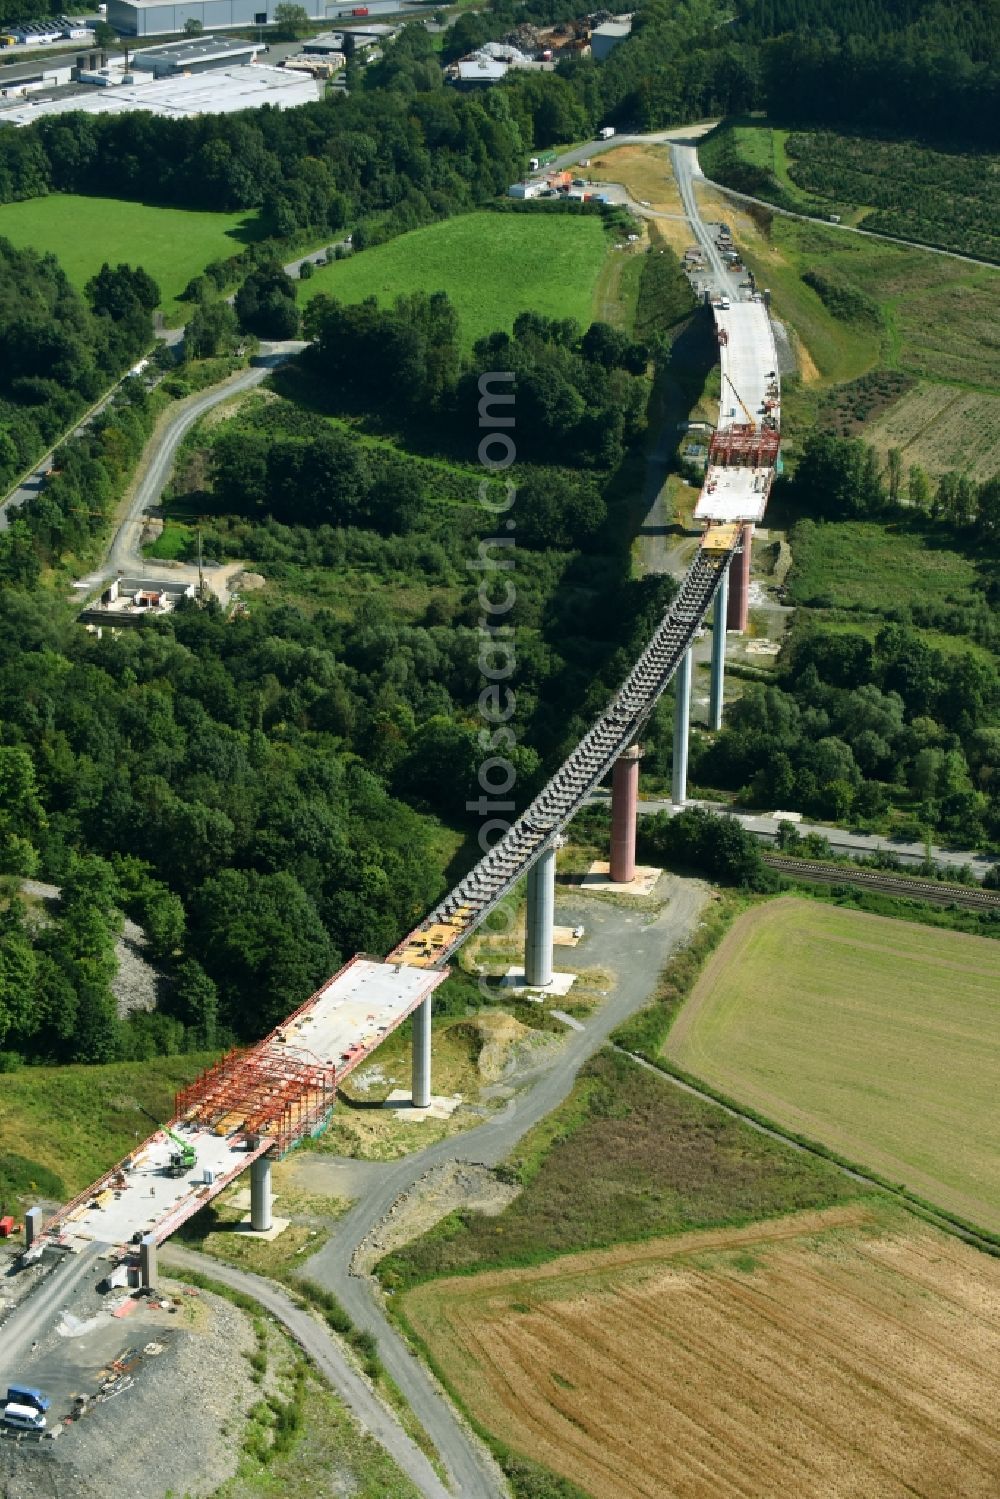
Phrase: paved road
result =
(635, 948)
(45, 1302)
(125, 552)
(328, 1355)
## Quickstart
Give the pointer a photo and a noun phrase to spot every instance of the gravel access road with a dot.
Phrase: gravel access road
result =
(38, 1311)
(632, 945)
(328, 1356)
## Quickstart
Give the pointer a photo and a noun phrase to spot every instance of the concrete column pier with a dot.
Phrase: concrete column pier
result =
(33, 1220)
(539, 920)
(260, 1194)
(682, 725)
(739, 584)
(147, 1262)
(420, 1086)
(719, 615)
(624, 809)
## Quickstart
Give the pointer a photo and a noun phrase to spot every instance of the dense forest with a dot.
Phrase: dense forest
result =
(58, 350)
(261, 791)
(403, 148)
(257, 791)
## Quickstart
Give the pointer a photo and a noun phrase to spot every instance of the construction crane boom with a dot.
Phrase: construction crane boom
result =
(743, 405)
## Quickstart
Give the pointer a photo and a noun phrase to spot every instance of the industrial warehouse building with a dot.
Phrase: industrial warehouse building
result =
(161, 18)
(200, 55)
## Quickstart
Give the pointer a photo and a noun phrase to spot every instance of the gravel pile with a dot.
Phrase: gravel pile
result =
(137, 985)
(442, 1190)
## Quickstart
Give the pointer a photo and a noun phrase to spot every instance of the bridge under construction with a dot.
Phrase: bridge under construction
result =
(254, 1104)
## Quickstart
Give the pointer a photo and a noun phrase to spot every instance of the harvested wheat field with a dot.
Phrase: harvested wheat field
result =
(879, 1038)
(829, 1356)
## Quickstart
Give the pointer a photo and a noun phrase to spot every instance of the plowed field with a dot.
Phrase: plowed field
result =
(830, 1356)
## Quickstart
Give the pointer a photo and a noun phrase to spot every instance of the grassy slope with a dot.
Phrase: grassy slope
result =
(172, 244)
(628, 1156)
(865, 565)
(74, 1122)
(491, 265)
(838, 1024)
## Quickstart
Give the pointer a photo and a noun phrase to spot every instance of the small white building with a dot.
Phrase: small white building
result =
(525, 190)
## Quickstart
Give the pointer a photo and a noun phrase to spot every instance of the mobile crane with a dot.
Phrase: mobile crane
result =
(185, 1157)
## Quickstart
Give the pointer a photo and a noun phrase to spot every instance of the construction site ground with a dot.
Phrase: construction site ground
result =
(176, 1429)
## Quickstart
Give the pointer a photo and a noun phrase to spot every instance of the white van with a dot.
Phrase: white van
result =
(24, 1417)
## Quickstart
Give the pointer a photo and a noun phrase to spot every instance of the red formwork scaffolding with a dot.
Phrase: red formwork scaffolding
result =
(744, 447)
(266, 1091)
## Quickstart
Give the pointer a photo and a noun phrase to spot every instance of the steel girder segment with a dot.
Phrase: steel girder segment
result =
(471, 901)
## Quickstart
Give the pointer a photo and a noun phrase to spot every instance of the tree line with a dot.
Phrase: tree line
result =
(59, 350)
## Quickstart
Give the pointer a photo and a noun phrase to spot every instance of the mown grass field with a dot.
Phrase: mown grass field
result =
(847, 1352)
(877, 1038)
(492, 266)
(628, 1156)
(60, 1127)
(172, 244)
(875, 567)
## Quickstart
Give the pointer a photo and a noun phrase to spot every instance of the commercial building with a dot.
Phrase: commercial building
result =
(128, 600)
(166, 18)
(604, 39)
(220, 91)
(199, 55)
(28, 77)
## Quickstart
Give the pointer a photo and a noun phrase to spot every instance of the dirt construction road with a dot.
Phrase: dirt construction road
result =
(634, 947)
(330, 1359)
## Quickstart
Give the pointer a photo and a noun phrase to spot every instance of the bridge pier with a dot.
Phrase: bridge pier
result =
(260, 1194)
(721, 609)
(739, 581)
(147, 1262)
(539, 920)
(682, 726)
(420, 1082)
(624, 809)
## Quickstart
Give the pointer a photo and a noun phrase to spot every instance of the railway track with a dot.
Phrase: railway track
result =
(934, 891)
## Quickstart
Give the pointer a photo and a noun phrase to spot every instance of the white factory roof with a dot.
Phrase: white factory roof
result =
(220, 91)
(482, 69)
(748, 358)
